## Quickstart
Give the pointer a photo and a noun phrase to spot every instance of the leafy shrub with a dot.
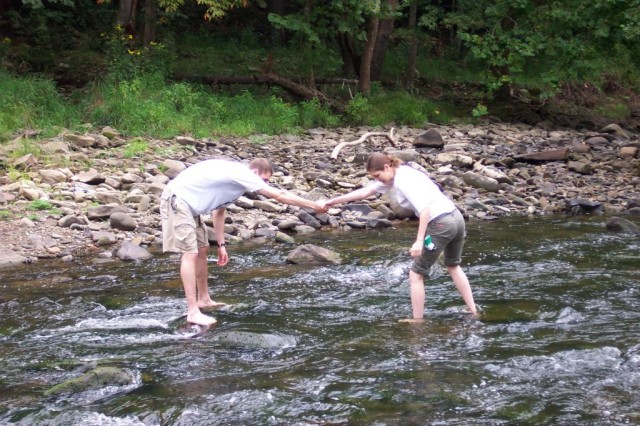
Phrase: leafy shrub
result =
(358, 109)
(312, 114)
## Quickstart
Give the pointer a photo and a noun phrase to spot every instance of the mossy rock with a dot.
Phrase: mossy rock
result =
(95, 379)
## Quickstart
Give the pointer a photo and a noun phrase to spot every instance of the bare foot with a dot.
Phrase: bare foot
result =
(412, 320)
(474, 314)
(210, 304)
(201, 319)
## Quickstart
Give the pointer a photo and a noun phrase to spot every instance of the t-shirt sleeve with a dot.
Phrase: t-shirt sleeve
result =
(249, 180)
(379, 187)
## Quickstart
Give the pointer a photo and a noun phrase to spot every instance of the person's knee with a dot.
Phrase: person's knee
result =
(415, 276)
(203, 252)
(453, 269)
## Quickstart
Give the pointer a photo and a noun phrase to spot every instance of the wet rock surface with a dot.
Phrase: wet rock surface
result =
(87, 198)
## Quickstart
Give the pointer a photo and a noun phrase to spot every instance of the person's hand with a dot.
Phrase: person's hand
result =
(416, 249)
(320, 206)
(223, 257)
(330, 202)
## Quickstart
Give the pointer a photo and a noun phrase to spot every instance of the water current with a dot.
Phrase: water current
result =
(558, 341)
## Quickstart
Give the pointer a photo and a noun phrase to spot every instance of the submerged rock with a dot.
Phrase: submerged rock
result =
(619, 224)
(251, 340)
(95, 379)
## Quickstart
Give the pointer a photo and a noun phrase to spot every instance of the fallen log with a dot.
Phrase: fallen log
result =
(389, 136)
(256, 79)
(297, 87)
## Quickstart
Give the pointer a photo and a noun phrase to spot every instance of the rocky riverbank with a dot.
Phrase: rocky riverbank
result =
(98, 193)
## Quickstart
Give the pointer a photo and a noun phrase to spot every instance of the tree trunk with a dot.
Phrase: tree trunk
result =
(295, 87)
(367, 56)
(413, 47)
(350, 60)
(277, 36)
(127, 15)
(385, 28)
(150, 19)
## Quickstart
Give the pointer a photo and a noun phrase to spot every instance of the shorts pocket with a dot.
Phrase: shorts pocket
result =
(185, 237)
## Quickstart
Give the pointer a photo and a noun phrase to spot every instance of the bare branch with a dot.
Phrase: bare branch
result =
(389, 136)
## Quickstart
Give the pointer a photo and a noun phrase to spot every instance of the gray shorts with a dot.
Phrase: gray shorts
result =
(181, 231)
(447, 233)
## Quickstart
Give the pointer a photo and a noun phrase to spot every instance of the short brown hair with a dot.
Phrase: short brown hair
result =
(262, 165)
(377, 161)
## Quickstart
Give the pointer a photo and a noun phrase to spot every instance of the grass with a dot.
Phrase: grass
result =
(135, 148)
(141, 102)
(33, 103)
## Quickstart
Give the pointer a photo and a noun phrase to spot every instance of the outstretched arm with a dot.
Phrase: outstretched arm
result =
(287, 197)
(358, 194)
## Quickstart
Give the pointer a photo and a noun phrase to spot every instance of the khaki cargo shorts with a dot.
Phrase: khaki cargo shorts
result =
(447, 233)
(181, 231)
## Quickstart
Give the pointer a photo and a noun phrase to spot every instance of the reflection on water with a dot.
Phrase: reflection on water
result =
(558, 340)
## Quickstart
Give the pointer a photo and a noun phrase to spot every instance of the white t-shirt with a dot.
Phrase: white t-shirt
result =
(416, 191)
(211, 184)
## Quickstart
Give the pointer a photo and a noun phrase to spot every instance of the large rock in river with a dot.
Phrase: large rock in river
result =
(615, 223)
(95, 379)
(310, 253)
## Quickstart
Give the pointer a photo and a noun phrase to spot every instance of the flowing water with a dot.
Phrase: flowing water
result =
(558, 341)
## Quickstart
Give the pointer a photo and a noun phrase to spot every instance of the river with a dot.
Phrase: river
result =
(558, 341)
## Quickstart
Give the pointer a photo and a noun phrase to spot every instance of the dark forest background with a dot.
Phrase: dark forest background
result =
(167, 67)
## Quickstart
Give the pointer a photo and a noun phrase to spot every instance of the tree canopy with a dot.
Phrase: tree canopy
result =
(505, 43)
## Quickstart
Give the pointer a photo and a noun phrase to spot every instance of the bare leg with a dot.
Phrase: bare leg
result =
(462, 284)
(202, 280)
(188, 273)
(416, 282)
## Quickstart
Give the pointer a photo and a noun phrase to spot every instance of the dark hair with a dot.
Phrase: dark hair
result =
(377, 161)
(262, 165)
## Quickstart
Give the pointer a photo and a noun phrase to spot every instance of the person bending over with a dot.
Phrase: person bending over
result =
(439, 217)
(206, 188)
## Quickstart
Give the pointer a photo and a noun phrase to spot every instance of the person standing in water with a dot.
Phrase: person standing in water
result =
(439, 217)
(206, 188)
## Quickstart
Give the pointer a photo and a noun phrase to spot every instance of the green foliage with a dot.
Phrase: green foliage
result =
(613, 110)
(127, 59)
(147, 105)
(41, 205)
(32, 103)
(555, 41)
(259, 139)
(403, 109)
(358, 109)
(215, 8)
(26, 146)
(480, 110)
(318, 25)
(135, 148)
(312, 114)
(5, 214)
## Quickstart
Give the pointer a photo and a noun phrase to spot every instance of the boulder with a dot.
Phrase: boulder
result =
(618, 224)
(312, 254)
(429, 139)
(131, 251)
(97, 378)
